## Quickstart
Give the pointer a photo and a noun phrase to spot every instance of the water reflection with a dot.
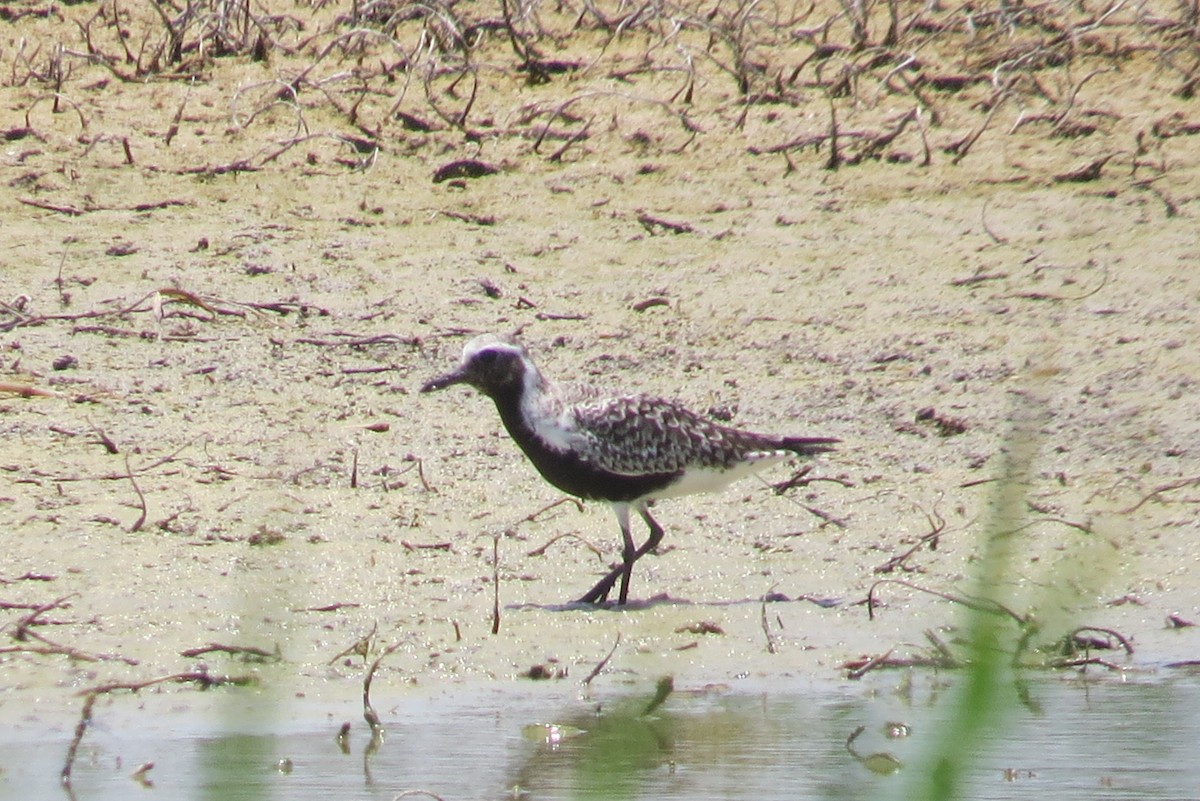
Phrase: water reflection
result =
(1064, 739)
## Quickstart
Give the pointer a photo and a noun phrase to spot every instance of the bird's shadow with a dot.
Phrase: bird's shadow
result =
(664, 599)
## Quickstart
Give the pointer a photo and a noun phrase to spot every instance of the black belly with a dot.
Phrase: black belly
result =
(565, 470)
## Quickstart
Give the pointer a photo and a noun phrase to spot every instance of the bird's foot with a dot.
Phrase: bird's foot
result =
(599, 593)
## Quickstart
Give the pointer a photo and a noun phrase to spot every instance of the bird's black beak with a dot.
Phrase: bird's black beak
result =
(457, 376)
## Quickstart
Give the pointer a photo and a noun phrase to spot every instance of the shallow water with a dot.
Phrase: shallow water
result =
(1062, 739)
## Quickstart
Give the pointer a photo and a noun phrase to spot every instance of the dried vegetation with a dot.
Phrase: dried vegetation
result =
(837, 82)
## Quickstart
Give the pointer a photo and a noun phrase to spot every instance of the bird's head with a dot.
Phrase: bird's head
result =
(492, 364)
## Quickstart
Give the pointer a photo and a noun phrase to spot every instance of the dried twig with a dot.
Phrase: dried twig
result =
(1116, 635)
(603, 662)
(1086, 660)
(361, 647)
(863, 668)
(937, 525)
(21, 627)
(137, 524)
(532, 516)
(962, 147)
(835, 156)
(999, 240)
(427, 546)
(649, 303)
(334, 607)
(71, 211)
(579, 135)
(249, 653)
(541, 551)
(801, 479)
(495, 584)
(1152, 495)
(949, 660)
(826, 516)
(1087, 173)
(28, 576)
(104, 439)
(771, 649)
(979, 605)
(369, 713)
(201, 678)
(54, 649)
(651, 223)
(26, 390)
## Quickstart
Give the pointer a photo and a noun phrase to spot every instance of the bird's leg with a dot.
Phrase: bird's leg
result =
(624, 570)
(629, 554)
(656, 535)
(600, 592)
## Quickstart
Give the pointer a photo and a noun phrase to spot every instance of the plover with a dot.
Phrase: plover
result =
(628, 450)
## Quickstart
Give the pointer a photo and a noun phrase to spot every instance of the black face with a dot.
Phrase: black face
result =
(494, 369)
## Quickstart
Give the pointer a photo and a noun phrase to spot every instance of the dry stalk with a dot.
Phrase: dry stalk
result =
(541, 550)
(495, 584)
(962, 147)
(561, 109)
(1154, 494)
(937, 527)
(603, 662)
(137, 524)
(55, 98)
(247, 653)
(1126, 645)
(202, 679)
(766, 627)
(369, 713)
(984, 605)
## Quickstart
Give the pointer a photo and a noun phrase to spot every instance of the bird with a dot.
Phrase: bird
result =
(628, 450)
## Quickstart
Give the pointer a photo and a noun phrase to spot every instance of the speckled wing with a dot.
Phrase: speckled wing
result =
(641, 434)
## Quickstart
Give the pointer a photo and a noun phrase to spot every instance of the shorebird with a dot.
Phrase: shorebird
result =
(628, 450)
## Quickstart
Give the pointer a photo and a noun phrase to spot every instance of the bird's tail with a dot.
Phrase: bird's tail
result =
(808, 446)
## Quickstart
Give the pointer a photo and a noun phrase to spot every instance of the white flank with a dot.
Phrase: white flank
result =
(709, 479)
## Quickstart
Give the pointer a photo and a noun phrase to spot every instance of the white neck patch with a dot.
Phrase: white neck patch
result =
(544, 412)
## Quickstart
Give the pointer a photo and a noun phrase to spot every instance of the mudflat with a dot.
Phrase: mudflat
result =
(961, 241)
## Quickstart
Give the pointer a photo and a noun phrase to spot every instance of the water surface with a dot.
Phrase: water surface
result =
(1063, 738)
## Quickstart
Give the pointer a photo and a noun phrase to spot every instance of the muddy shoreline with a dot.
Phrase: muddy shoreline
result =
(225, 334)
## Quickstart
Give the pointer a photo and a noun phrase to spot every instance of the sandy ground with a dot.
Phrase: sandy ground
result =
(915, 312)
